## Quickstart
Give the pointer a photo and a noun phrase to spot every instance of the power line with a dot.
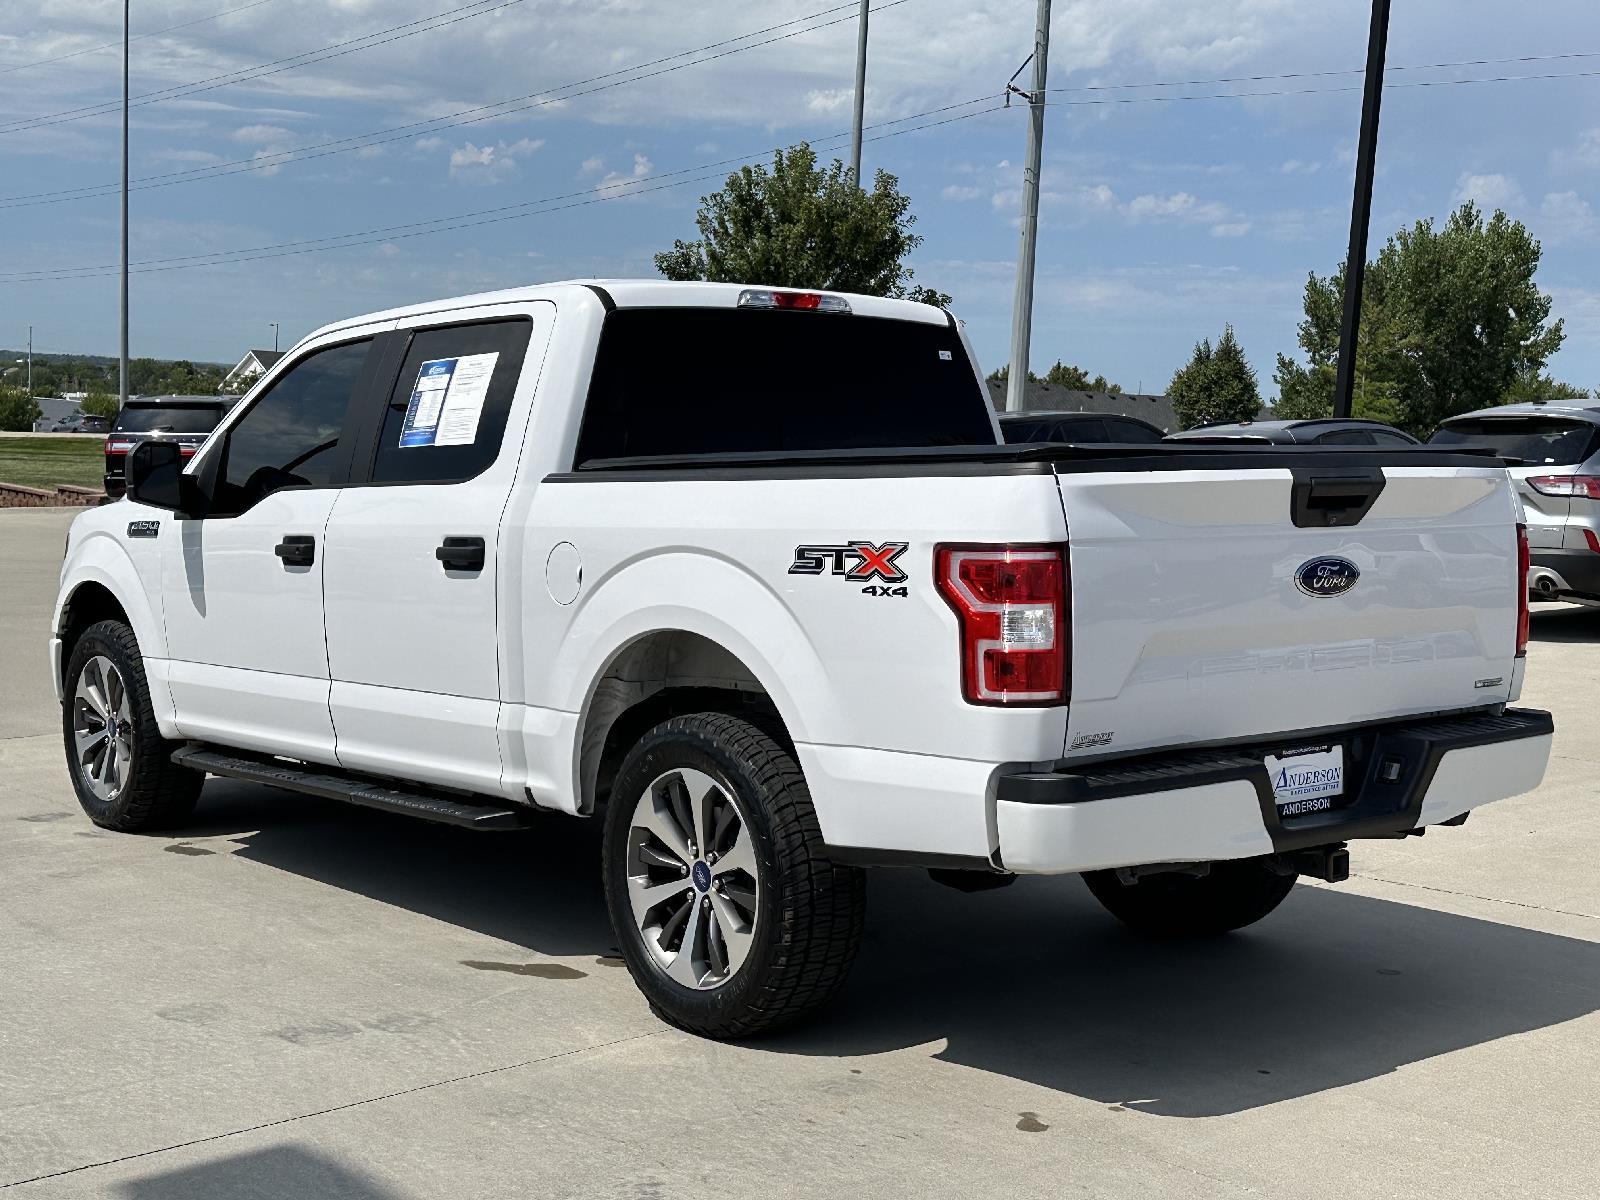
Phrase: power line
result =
(699, 173)
(379, 137)
(211, 83)
(138, 37)
(361, 141)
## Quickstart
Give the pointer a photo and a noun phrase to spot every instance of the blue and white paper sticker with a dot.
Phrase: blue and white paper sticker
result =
(447, 401)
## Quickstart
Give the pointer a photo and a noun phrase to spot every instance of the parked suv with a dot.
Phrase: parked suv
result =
(187, 420)
(1321, 431)
(1554, 454)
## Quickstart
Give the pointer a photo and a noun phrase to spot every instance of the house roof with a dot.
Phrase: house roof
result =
(1046, 397)
(267, 357)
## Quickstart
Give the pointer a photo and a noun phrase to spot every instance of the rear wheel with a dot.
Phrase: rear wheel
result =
(730, 916)
(121, 766)
(1230, 896)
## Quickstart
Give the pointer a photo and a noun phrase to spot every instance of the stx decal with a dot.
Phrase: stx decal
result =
(858, 561)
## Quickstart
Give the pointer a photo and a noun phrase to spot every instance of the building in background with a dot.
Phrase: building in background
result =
(251, 367)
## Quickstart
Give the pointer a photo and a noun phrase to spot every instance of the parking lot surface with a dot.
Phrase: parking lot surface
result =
(297, 998)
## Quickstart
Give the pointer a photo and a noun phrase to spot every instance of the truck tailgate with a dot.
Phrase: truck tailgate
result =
(1214, 605)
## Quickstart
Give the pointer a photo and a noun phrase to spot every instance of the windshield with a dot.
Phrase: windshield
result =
(1535, 440)
(169, 418)
(704, 381)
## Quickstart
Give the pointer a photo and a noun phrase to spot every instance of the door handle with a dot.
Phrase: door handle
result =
(297, 550)
(461, 553)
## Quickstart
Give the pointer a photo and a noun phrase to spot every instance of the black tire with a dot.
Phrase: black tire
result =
(809, 910)
(1170, 905)
(155, 793)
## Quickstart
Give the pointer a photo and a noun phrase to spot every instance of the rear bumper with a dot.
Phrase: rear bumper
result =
(1564, 573)
(1210, 805)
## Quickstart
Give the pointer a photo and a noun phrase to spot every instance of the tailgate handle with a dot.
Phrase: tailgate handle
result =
(1323, 498)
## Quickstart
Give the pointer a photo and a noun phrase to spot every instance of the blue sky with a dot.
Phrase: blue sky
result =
(1162, 218)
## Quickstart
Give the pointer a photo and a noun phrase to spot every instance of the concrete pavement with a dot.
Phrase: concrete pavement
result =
(300, 999)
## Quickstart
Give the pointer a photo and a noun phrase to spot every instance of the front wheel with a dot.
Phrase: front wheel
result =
(121, 766)
(731, 918)
(1229, 896)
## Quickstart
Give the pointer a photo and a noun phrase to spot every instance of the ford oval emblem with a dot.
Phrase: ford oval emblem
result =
(1327, 576)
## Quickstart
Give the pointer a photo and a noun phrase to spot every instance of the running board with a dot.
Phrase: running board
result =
(331, 785)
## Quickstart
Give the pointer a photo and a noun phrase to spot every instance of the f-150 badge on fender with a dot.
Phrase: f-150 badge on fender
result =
(1327, 576)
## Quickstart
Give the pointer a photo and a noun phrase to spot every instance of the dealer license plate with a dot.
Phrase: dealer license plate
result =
(1306, 779)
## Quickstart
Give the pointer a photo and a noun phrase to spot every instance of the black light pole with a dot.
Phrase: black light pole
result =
(1355, 269)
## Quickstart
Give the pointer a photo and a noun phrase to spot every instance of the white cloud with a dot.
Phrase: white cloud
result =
(1584, 154)
(1230, 229)
(1566, 217)
(263, 135)
(642, 167)
(1490, 192)
(429, 143)
(592, 165)
(490, 163)
(958, 192)
(829, 100)
(1296, 166)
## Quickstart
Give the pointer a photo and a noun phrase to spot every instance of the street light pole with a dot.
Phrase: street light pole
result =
(1355, 266)
(861, 94)
(274, 325)
(122, 345)
(1022, 308)
(30, 362)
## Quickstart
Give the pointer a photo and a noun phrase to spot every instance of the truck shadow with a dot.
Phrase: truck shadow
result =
(277, 1171)
(1033, 981)
(1564, 623)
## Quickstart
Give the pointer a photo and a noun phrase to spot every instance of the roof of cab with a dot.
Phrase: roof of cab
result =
(639, 293)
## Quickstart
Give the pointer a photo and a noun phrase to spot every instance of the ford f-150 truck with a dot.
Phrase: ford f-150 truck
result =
(749, 572)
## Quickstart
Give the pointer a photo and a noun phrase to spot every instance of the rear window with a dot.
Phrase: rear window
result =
(704, 381)
(1534, 440)
(168, 418)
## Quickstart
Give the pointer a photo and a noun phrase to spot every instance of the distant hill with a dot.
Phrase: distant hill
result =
(54, 374)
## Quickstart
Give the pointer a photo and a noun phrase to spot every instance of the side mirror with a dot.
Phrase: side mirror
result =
(155, 474)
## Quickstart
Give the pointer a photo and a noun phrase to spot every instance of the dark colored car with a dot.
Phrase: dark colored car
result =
(1081, 428)
(1327, 431)
(187, 420)
(86, 424)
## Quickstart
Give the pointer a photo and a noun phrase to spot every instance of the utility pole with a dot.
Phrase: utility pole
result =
(122, 345)
(30, 362)
(861, 94)
(1355, 267)
(1022, 308)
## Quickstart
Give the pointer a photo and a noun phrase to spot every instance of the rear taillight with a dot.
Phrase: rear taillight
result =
(118, 446)
(187, 451)
(1585, 487)
(1523, 562)
(1012, 603)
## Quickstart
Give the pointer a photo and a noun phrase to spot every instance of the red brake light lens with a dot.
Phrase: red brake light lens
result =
(118, 446)
(1523, 562)
(1012, 605)
(1584, 487)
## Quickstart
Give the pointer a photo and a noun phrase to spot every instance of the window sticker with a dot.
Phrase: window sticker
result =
(447, 401)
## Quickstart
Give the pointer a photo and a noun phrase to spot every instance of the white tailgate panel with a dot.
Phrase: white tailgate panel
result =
(1189, 628)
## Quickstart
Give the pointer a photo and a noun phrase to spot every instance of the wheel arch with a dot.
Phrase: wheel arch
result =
(655, 676)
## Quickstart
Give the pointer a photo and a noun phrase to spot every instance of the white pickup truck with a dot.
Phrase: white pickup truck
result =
(749, 572)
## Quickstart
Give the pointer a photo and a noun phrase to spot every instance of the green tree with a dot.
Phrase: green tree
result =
(1003, 374)
(802, 226)
(1216, 384)
(1451, 320)
(1540, 387)
(99, 404)
(1076, 378)
(18, 410)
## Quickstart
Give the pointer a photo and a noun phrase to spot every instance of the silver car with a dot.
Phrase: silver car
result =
(1554, 454)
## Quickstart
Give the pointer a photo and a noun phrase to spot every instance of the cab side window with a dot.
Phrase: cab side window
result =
(292, 433)
(447, 413)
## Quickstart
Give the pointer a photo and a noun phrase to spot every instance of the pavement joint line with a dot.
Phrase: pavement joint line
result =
(323, 1112)
(1563, 912)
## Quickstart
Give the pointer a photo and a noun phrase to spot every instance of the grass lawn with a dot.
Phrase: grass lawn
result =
(43, 462)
